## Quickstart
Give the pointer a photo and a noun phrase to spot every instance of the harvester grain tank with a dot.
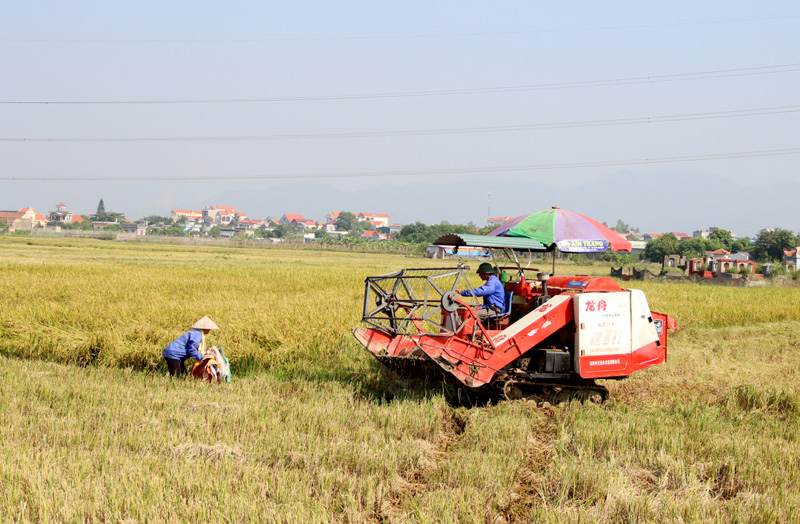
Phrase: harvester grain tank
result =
(557, 336)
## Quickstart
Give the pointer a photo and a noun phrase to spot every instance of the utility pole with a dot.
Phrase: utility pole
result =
(489, 210)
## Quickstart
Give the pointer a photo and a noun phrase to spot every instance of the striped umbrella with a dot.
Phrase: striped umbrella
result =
(565, 230)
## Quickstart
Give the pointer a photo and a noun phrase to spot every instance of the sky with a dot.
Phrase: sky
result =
(172, 104)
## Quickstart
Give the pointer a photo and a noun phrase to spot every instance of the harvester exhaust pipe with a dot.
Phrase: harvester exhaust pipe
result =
(543, 278)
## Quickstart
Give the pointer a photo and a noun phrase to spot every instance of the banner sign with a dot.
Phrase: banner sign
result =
(582, 246)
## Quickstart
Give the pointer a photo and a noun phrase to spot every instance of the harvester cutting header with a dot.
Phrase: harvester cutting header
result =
(554, 337)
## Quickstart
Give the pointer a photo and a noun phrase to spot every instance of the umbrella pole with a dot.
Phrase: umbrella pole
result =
(554, 261)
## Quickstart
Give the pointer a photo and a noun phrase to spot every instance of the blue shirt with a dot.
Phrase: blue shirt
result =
(492, 292)
(185, 346)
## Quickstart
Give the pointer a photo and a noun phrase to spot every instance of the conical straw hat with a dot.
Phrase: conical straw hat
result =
(205, 323)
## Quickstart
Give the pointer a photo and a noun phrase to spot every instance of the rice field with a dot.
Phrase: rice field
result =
(312, 430)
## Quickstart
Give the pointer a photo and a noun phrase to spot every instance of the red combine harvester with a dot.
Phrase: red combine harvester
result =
(557, 335)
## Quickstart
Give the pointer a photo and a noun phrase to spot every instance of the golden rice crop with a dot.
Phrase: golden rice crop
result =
(312, 431)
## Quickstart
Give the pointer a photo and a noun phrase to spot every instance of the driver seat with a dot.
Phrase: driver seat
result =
(495, 321)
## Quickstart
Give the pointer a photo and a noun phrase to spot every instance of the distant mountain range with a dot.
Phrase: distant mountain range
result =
(653, 202)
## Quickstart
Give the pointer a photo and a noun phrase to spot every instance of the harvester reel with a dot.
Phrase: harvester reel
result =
(412, 301)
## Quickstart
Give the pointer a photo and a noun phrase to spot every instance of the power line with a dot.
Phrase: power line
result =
(703, 75)
(447, 131)
(452, 171)
(398, 36)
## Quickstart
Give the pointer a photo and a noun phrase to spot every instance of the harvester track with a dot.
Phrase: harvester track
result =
(506, 386)
(511, 387)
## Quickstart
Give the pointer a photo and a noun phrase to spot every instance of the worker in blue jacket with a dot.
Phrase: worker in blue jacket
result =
(492, 292)
(191, 344)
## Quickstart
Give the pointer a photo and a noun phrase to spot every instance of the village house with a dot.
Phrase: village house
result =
(134, 228)
(62, 216)
(24, 219)
(252, 224)
(651, 236)
(191, 215)
(376, 219)
(222, 215)
(298, 221)
(371, 234)
(391, 229)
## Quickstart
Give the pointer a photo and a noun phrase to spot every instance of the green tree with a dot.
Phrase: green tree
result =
(106, 216)
(693, 247)
(621, 226)
(175, 230)
(86, 225)
(742, 244)
(156, 219)
(284, 231)
(657, 248)
(347, 221)
(419, 233)
(769, 245)
(723, 236)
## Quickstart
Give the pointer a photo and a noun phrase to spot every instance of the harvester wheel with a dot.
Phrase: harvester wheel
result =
(590, 395)
(512, 390)
(563, 396)
(595, 397)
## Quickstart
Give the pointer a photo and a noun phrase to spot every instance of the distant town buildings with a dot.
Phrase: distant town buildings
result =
(194, 215)
(222, 215)
(376, 219)
(22, 219)
(229, 221)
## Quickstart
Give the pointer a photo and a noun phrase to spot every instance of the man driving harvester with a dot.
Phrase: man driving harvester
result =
(492, 292)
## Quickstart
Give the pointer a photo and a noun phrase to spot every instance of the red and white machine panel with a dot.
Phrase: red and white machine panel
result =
(615, 334)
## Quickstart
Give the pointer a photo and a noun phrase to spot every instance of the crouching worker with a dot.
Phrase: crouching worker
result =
(191, 344)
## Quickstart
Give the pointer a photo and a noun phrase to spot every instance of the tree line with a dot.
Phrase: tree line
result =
(768, 246)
